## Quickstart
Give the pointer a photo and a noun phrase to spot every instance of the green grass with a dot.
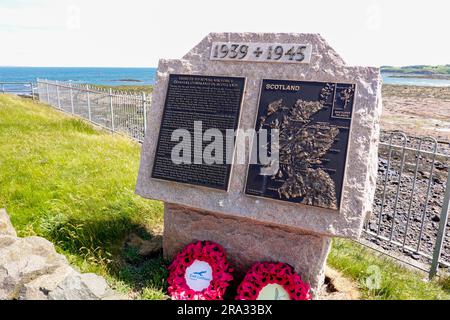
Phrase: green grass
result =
(380, 277)
(62, 179)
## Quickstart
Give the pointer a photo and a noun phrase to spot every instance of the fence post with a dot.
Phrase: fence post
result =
(32, 90)
(71, 98)
(48, 94)
(144, 99)
(57, 95)
(3, 88)
(442, 230)
(88, 102)
(112, 109)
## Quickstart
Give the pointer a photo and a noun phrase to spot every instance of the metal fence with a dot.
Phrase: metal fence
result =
(410, 216)
(27, 89)
(117, 111)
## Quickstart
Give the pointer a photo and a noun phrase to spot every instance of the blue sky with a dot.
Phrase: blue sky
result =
(139, 32)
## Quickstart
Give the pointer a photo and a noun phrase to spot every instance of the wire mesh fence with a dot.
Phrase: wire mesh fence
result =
(115, 110)
(26, 89)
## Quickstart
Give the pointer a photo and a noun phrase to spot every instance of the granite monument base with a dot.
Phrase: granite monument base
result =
(247, 242)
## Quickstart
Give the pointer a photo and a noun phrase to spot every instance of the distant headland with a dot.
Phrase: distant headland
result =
(419, 71)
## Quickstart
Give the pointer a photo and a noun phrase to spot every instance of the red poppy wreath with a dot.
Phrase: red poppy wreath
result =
(199, 272)
(273, 281)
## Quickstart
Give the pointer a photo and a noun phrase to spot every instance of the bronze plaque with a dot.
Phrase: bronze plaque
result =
(313, 119)
(215, 103)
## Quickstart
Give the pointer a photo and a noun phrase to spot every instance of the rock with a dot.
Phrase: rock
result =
(31, 269)
(437, 179)
(440, 166)
(436, 218)
(382, 162)
(415, 256)
(6, 241)
(86, 286)
(145, 247)
(39, 288)
(6, 227)
(392, 173)
(22, 260)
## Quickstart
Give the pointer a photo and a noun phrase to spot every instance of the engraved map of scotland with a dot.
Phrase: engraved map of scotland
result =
(313, 121)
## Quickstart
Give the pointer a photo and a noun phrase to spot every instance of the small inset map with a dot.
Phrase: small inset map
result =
(343, 101)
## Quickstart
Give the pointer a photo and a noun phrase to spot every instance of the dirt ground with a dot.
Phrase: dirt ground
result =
(417, 110)
(338, 287)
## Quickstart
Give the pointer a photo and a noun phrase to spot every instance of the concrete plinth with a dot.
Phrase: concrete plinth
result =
(246, 241)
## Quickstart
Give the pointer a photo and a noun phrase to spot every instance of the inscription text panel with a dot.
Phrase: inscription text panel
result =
(213, 101)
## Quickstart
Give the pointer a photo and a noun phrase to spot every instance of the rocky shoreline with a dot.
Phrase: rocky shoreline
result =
(413, 216)
(419, 112)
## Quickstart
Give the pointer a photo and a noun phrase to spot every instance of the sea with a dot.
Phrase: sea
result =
(100, 76)
(142, 76)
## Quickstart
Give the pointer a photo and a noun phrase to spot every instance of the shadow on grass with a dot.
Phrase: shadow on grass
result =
(141, 272)
(103, 243)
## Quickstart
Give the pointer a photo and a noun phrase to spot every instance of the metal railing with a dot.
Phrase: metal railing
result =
(27, 89)
(412, 200)
(117, 111)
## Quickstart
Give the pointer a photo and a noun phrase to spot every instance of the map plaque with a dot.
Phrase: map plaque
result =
(212, 101)
(313, 120)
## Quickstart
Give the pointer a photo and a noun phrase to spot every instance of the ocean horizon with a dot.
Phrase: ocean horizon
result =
(122, 76)
(108, 76)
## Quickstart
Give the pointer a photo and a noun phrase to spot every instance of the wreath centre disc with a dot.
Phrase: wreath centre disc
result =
(198, 275)
(273, 291)
(272, 281)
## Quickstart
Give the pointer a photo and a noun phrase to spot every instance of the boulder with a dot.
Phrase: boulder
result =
(23, 260)
(77, 286)
(39, 288)
(6, 227)
(31, 269)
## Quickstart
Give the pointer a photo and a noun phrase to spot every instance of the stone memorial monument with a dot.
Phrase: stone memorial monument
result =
(320, 179)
